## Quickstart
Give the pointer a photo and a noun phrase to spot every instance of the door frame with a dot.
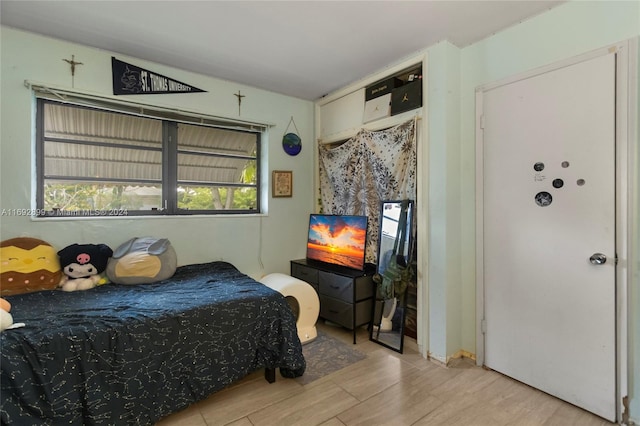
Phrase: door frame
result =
(626, 75)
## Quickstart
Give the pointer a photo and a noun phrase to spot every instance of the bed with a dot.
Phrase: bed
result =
(132, 354)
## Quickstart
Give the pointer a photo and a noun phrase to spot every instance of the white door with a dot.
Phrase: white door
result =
(549, 208)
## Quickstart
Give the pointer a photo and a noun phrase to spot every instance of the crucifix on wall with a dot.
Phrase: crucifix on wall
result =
(239, 96)
(73, 64)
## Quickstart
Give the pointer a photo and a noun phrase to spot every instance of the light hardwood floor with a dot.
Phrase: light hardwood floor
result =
(386, 388)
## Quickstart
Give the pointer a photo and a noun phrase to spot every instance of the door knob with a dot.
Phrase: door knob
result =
(598, 259)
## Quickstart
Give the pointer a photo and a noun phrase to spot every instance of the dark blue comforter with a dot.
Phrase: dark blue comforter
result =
(118, 355)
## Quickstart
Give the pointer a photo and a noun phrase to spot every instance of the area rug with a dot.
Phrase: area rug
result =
(325, 355)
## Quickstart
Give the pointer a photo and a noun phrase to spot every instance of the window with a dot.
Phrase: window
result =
(98, 162)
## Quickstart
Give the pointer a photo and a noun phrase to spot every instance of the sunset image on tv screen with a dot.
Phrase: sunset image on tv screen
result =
(337, 239)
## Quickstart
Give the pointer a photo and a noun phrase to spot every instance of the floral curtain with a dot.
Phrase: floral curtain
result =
(368, 168)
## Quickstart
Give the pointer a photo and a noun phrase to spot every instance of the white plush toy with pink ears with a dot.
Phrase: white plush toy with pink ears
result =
(6, 320)
(83, 265)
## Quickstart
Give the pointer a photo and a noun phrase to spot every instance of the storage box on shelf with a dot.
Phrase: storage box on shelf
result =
(377, 108)
(404, 88)
(406, 97)
(382, 87)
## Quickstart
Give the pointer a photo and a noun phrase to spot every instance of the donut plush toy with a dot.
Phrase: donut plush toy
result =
(28, 265)
(83, 265)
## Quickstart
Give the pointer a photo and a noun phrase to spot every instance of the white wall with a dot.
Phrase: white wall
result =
(443, 106)
(453, 74)
(282, 231)
(634, 263)
(566, 31)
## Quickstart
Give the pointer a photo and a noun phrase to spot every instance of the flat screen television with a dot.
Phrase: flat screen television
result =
(338, 240)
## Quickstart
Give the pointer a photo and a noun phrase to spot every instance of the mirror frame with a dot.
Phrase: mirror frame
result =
(379, 303)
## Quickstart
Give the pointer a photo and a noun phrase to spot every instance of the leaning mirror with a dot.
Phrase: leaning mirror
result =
(393, 246)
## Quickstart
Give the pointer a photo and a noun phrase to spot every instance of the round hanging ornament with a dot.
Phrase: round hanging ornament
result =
(291, 142)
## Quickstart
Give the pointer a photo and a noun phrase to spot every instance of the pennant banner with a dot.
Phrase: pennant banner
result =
(132, 80)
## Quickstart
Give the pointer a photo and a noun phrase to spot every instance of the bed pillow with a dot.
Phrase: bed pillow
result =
(28, 265)
(142, 261)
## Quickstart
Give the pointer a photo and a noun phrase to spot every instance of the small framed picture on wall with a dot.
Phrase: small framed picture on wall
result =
(282, 183)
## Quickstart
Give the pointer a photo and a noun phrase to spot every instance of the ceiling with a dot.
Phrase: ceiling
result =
(304, 49)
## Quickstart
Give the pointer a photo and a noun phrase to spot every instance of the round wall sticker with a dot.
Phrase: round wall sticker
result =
(543, 199)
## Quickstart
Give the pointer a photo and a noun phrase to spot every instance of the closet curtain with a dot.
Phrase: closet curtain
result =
(366, 169)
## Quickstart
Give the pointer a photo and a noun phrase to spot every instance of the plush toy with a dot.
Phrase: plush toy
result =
(6, 320)
(28, 265)
(142, 261)
(83, 265)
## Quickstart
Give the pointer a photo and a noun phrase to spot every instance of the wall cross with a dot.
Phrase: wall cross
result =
(73, 64)
(239, 96)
